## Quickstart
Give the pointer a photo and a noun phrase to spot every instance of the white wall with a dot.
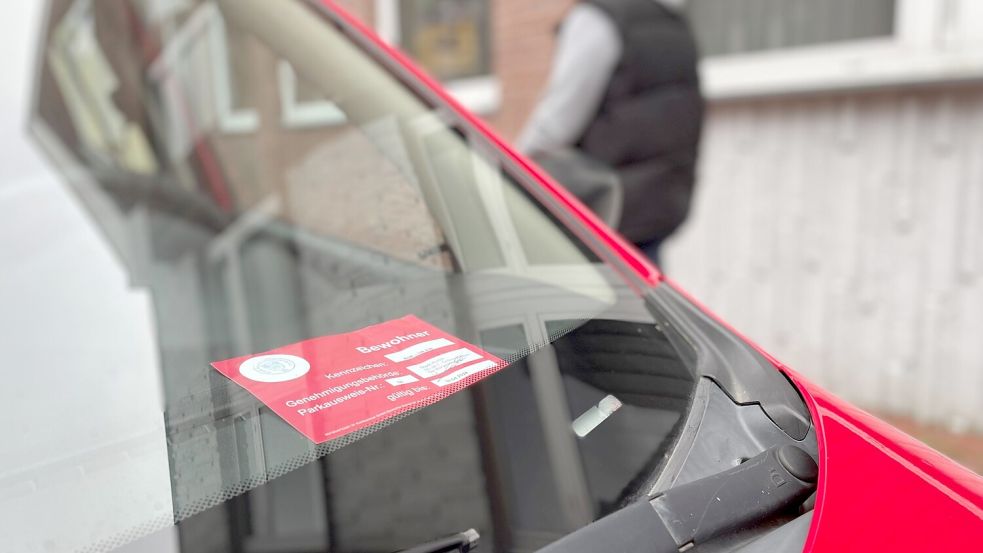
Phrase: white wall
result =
(844, 233)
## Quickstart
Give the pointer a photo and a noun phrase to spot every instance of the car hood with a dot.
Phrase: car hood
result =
(882, 490)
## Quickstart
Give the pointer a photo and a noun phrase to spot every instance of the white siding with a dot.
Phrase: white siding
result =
(845, 235)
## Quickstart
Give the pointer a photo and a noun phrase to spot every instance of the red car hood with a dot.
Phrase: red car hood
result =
(882, 490)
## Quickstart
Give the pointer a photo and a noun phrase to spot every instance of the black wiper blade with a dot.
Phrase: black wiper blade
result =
(693, 513)
(462, 542)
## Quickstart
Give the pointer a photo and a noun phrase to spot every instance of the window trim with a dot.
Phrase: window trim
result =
(205, 28)
(232, 120)
(933, 43)
(295, 114)
(481, 94)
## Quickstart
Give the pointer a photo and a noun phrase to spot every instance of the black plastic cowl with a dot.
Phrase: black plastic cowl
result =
(741, 371)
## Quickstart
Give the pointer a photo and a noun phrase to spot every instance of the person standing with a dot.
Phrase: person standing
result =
(624, 91)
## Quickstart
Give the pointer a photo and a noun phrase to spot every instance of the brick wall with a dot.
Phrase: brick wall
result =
(522, 47)
(523, 35)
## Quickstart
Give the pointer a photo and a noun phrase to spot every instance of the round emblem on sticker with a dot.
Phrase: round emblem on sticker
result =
(274, 368)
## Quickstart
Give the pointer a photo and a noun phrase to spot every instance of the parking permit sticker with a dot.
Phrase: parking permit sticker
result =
(331, 386)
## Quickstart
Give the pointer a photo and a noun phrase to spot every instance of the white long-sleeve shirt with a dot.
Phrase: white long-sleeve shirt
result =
(588, 49)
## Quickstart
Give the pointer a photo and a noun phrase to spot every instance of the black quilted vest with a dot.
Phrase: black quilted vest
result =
(649, 122)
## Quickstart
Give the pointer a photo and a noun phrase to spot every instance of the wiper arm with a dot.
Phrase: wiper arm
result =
(693, 513)
(462, 542)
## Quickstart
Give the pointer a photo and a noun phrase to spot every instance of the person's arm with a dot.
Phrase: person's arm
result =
(587, 52)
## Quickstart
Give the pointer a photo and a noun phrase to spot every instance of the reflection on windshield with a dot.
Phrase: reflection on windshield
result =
(261, 181)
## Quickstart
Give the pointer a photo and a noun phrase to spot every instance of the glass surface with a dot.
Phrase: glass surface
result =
(726, 27)
(160, 214)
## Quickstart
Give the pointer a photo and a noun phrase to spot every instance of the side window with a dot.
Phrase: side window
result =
(725, 27)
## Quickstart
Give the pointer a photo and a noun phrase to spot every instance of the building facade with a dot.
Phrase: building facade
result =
(840, 199)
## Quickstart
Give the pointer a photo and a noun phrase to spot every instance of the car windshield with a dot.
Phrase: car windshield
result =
(236, 176)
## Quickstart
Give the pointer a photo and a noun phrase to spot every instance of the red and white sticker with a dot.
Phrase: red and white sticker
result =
(333, 385)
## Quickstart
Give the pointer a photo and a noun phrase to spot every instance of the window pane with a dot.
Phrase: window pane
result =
(449, 37)
(733, 26)
(236, 233)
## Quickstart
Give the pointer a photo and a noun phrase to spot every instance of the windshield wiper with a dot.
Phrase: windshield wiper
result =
(693, 513)
(462, 542)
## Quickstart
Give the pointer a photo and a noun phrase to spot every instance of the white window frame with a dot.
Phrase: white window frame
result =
(232, 120)
(934, 41)
(206, 28)
(482, 94)
(295, 114)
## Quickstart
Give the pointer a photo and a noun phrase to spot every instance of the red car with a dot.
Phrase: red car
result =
(270, 289)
